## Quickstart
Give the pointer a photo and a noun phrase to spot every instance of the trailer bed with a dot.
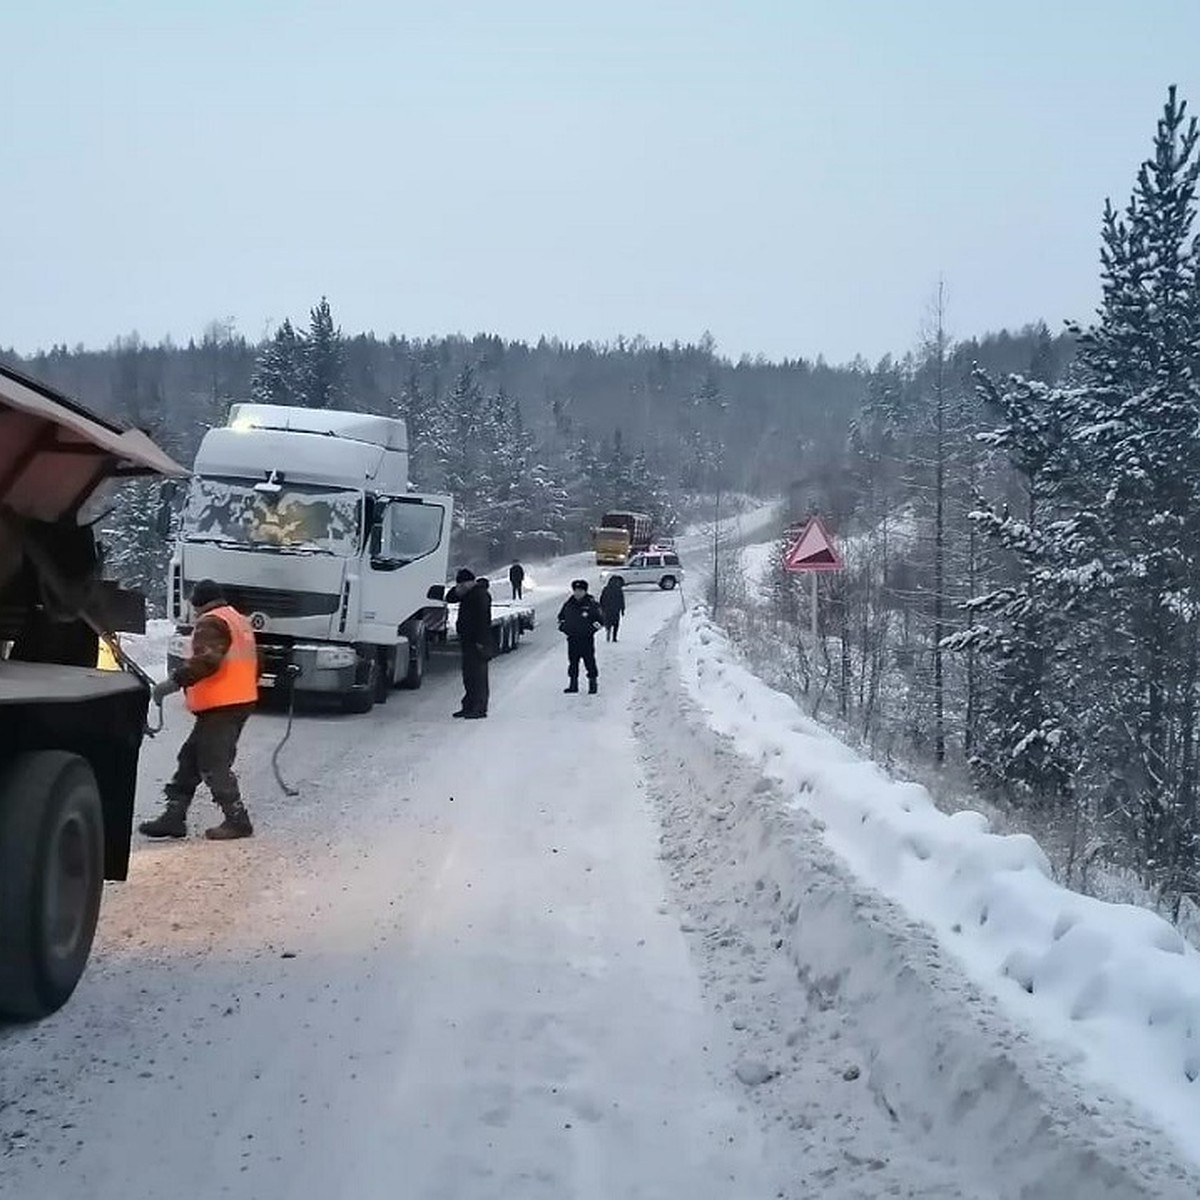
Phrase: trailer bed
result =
(510, 619)
(49, 683)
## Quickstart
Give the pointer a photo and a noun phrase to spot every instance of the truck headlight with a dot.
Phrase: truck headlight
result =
(334, 658)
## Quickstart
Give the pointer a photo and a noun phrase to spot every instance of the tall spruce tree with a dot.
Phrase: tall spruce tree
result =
(324, 360)
(279, 370)
(1115, 462)
(1026, 735)
(134, 550)
(1140, 427)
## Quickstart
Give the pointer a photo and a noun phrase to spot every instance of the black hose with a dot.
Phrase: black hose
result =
(292, 672)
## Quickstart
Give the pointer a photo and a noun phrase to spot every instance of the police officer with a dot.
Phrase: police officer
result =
(579, 618)
(220, 685)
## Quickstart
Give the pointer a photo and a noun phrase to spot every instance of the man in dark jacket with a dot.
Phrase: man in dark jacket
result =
(474, 629)
(612, 605)
(579, 618)
(516, 577)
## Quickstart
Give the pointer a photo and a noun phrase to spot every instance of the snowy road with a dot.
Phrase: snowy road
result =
(449, 963)
(565, 953)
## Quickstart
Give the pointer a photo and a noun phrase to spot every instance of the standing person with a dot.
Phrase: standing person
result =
(516, 577)
(220, 685)
(474, 629)
(612, 605)
(579, 618)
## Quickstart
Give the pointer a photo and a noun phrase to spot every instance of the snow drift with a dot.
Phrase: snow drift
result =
(1114, 987)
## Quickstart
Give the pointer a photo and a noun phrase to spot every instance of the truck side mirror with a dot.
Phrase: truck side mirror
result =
(166, 501)
(376, 507)
(162, 520)
(436, 592)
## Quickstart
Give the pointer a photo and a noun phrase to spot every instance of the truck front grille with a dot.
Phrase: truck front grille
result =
(277, 602)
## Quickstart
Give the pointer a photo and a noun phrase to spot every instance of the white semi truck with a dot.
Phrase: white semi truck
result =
(306, 519)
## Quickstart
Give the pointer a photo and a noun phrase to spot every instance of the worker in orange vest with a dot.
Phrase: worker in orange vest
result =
(220, 684)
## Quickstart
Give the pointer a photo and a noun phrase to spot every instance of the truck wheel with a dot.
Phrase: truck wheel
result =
(416, 659)
(362, 698)
(51, 879)
(383, 676)
(667, 583)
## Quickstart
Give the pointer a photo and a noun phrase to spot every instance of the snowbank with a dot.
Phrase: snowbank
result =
(1113, 985)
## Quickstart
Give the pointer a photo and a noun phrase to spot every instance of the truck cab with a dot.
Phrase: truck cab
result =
(611, 546)
(619, 535)
(307, 520)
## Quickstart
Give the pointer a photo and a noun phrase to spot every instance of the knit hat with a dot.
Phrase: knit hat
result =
(464, 575)
(205, 592)
(580, 584)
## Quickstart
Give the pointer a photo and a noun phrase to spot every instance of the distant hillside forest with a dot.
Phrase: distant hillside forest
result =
(533, 440)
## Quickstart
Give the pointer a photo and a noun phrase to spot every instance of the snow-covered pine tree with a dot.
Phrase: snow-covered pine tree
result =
(279, 370)
(426, 422)
(1026, 738)
(463, 462)
(134, 551)
(1098, 631)
(537, 511)
(324, 360)
(1140, 432)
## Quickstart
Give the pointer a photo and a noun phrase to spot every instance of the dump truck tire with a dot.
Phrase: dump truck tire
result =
(51, 879)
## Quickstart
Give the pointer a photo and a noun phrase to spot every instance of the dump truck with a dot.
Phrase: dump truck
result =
(70, 733)
(619, 535)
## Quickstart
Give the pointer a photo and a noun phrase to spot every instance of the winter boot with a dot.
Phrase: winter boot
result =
(573, 686)
(236, 825)
(170, 823)
(591, 687)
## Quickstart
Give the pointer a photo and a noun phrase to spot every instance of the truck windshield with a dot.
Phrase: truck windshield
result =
(295, 517)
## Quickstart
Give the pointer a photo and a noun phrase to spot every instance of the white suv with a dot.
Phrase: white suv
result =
(654, 567)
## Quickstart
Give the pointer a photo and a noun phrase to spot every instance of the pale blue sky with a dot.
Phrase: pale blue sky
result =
(792, 176)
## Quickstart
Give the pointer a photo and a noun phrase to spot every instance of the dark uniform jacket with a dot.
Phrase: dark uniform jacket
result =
(612, 600)
(474, 624)
(580, 618)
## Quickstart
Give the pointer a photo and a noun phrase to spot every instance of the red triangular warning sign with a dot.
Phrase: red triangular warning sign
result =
(813, 550)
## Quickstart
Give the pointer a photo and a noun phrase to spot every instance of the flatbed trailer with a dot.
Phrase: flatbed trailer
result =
(511, 620)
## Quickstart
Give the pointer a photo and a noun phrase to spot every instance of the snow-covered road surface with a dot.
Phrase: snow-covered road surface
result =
(575, 951)
(447, 969)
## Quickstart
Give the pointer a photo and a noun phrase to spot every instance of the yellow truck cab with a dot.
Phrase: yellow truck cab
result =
(612, 547)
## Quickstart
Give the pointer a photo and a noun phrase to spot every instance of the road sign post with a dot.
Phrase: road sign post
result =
(813, 551)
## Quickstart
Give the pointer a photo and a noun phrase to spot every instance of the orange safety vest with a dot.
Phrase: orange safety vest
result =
(236, 679)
